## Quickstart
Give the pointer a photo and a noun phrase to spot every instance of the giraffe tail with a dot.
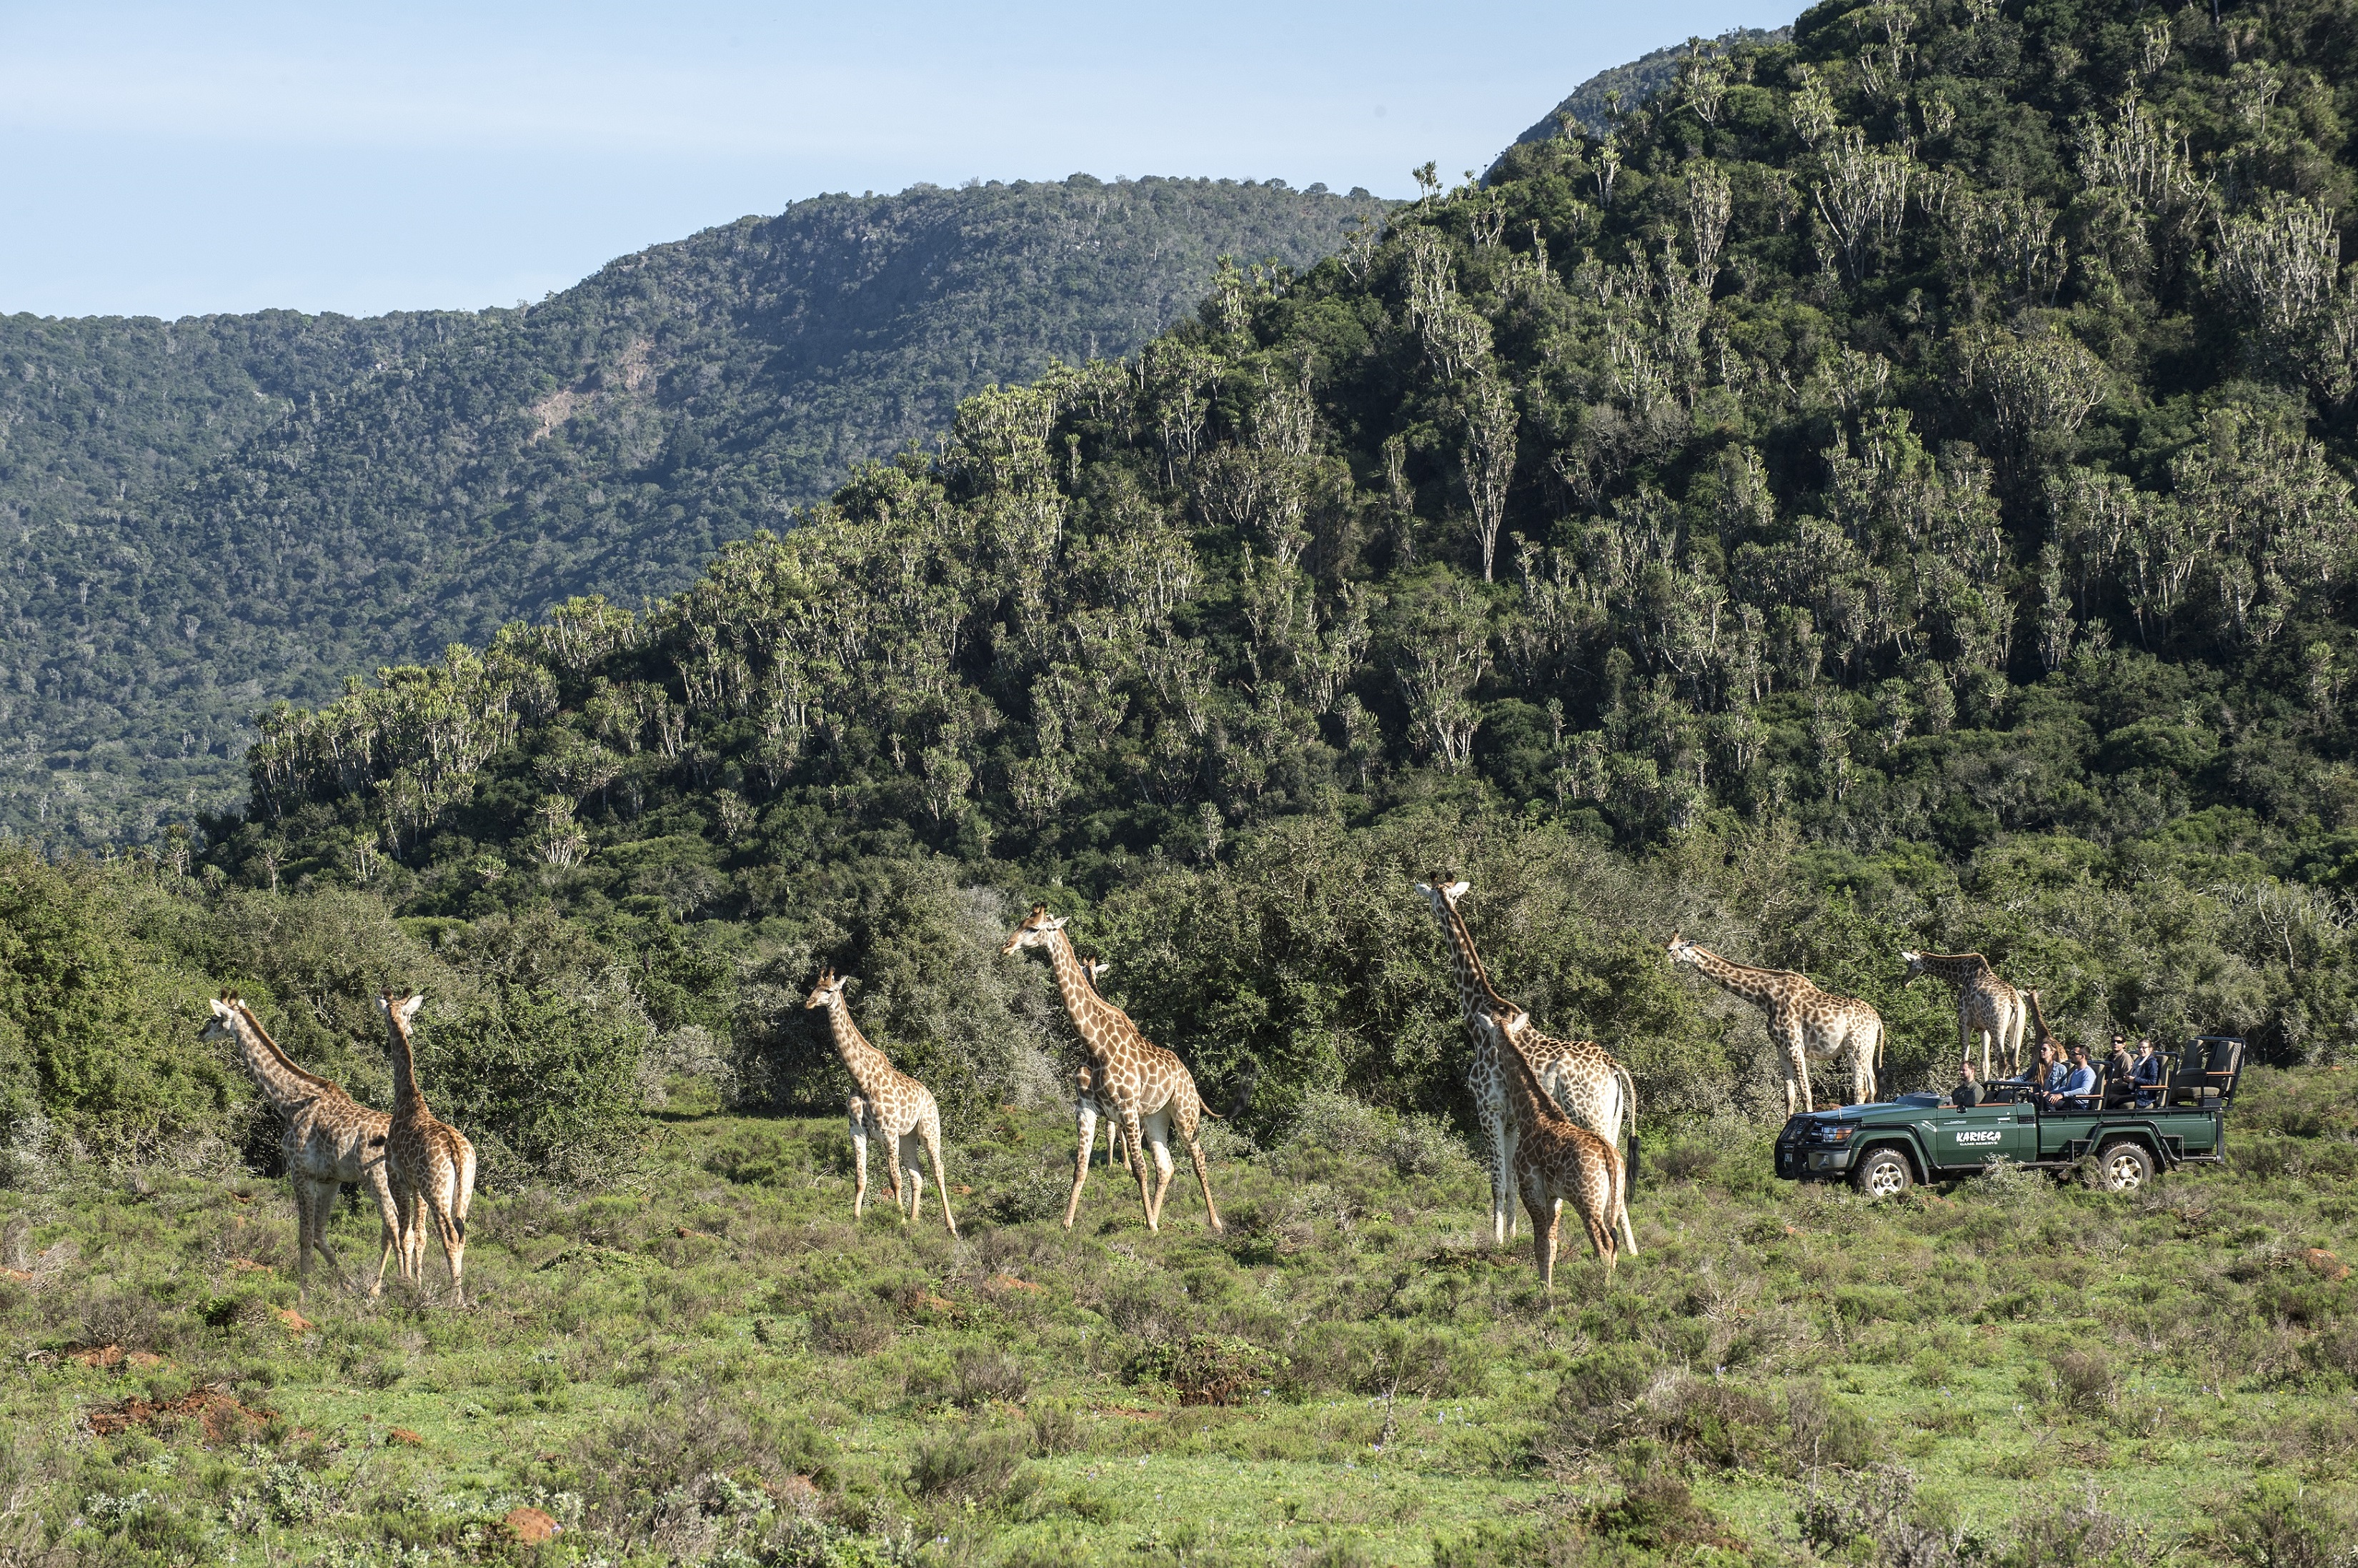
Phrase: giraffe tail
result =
(1629, 1097)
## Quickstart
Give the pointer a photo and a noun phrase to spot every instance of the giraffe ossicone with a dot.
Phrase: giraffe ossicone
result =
(886, 1104)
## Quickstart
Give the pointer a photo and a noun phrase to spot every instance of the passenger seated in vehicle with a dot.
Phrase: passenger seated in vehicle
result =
(1967, 1094)
(2146, 1073)
(2117, 1086)
(2076, 1090)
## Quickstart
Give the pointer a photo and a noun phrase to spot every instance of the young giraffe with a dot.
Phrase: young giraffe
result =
(1986, 1005)
(888, 1105)
(1582, 1076)
(329, 1137)
(1147, 1086)
(433, 1163)
(1810, 1023)
(1555, 1158)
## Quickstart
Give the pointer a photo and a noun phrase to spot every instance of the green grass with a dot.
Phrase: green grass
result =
(722, 1364)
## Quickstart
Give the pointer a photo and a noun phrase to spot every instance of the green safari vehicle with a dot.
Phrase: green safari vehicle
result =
(1885, 1148)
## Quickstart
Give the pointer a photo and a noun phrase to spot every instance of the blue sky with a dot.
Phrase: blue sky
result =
(167, 160)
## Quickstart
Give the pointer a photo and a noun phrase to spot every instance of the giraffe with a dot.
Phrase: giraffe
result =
(887, 1104)
(1581, 1076)
(329, 1137)
(1147, 1086)
(1555, 1158)
(1986, 1005)
(433, 1163)
(1810, 1023)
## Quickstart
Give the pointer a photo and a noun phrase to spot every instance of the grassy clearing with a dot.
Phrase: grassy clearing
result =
(722, 1365)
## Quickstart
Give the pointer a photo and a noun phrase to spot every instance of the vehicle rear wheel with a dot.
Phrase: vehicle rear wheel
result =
(1884, 1173)
(2122, 1167)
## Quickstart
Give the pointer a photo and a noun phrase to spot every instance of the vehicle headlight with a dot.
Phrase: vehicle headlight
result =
(1837, 1132)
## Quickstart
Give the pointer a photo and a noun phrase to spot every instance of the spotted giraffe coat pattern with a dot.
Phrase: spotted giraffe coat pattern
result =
(1986, 1005)
(329, 1139)
(1148, 1088)
(1580, 1075)
(433, 1163)
(1807, 1023)
(887, 1104)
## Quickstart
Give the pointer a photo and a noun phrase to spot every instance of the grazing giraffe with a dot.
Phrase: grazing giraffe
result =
(1147, 1086)
(1986, 1005)
(888, 1103)
(433, 1163)
(1582, 1076)
(329, 1137)
(1555, 1158)
(1810, 1023)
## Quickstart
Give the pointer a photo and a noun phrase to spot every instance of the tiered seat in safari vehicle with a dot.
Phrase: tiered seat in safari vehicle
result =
(2206, 1073)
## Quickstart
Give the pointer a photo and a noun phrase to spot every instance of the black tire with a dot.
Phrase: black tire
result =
(2123, 1165)
(1883, 1173)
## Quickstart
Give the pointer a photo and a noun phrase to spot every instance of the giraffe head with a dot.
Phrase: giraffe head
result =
(828, 990)
(1682, 950)
(1915, 962)
(400, 1011)
(1037, 927)
(1444, 894)
(1511, 1021)
(1097, 969)
(221, 1025)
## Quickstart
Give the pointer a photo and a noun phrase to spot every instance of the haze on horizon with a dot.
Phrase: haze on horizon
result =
(373, 158)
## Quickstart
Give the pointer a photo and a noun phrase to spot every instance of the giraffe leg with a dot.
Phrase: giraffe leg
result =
(1156, 1129)
(859, 1161)
(1544, 1218)
(323, 1201)
(1085, 1111)
(1502, 1177)
(388, 1209)
(933, 1126)
(1131, 1146)
(905, 1161)
(302, 1236)
(1204, 1180)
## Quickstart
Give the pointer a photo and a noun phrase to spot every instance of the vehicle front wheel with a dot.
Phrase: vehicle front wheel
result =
(1884, 1173)
(2122, 1167)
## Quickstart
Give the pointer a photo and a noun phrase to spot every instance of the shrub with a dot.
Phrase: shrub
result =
(988, 1375)
(1424, 1146)
(2084, 1381)
(963, 1465)
(1210, 1369)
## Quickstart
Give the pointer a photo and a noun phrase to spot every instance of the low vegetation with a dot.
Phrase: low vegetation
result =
(717, 1364)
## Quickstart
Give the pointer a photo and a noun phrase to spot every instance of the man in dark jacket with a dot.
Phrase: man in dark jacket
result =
(1968, 1093)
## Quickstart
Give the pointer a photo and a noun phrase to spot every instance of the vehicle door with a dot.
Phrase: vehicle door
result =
(1966, 1140)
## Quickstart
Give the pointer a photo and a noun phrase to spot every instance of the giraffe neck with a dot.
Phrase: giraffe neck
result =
(288, 1085)
(1474, 987)
(2038, 1014)
(1956, 968)
(1524, 1091)
(1760, 987)
(868, 1067)
(408, 1105)
(1081, 1000)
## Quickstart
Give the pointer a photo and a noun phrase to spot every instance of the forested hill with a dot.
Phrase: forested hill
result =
(1592, 105)
(1895, 488)
(201, 518)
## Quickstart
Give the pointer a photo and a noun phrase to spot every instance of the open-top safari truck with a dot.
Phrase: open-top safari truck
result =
(1885, 1148)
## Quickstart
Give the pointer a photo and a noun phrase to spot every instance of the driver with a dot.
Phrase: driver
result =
(1968, 1093)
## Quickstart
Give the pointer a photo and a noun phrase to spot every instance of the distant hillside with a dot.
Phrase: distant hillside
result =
(1592, 104)
(201, 516)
